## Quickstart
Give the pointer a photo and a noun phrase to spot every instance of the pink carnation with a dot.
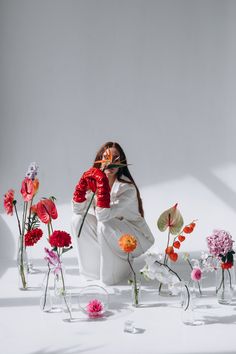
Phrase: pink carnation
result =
(219, 243)
(94, 308)
(196, 274)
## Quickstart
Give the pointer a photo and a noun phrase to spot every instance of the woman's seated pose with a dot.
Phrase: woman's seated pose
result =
(115, 210)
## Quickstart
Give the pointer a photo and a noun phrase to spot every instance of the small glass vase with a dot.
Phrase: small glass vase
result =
(225, 285)
(136, 293)
(189, 299)
(22, 264)
(93, 301)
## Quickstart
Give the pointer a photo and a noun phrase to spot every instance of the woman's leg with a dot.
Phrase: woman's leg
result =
(87, 246)
(114, 265)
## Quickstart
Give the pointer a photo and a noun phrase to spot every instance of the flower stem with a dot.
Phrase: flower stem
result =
(165, 259)
(85, 214)
(64, 290)
(172, 271)
(190, 265)
(46, 288)
(135, 283)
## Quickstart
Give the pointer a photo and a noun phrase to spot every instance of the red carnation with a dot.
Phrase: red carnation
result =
(60, 239)
(32, 236)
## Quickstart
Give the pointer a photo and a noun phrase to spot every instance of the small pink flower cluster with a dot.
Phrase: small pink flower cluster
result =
(220, 242)
(94, 308)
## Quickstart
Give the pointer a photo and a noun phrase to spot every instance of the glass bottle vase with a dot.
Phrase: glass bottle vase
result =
(22, 264)
(225, 285)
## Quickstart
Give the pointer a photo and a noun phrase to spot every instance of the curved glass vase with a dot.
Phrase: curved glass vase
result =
(93, 301)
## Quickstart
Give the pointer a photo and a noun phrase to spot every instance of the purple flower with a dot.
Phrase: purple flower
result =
(219, 243)
(53, 259)
(32, 171)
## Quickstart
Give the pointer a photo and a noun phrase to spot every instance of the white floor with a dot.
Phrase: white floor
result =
(25, 329)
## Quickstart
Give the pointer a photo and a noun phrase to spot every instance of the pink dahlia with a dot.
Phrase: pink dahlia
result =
(94, 308)
(196, 274)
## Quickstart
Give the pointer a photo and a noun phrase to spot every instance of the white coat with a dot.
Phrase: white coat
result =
(99, 254)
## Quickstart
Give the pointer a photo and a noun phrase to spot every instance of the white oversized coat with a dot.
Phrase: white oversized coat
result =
(99, 254)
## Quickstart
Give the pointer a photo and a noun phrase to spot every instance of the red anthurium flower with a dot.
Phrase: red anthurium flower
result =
(27, 189)
(8, 201)
(46, 210)
(173, 256)
(176, 244)
(181, 238)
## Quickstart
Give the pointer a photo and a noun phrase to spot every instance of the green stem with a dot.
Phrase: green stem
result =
(230, 281)
(17, 216)
(222, 282)
(46, 288)
(165, 259)
(135, 283)
(85, 214)
(64, 289)
(172, 271)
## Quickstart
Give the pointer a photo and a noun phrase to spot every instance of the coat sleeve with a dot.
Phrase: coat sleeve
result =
(79, 208)
(124, 206)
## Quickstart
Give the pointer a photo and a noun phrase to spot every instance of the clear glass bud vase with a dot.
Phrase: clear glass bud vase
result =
(22, 264)
(225, 279)
(136, 293)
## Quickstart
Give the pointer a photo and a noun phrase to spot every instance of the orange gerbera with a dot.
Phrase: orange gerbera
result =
(127, 243)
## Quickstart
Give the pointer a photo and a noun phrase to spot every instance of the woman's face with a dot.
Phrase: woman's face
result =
(115, 158)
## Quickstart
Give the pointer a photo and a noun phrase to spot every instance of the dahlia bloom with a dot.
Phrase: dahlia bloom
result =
(94, 308)
(127, 243)
(8, 201)
(196, 274)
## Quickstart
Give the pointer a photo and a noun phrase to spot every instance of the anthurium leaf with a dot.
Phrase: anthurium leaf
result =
(171, 218)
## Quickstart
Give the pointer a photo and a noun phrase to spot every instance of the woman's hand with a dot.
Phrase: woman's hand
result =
(95, 180)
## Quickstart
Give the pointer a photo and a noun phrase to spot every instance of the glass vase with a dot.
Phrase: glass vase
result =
(136, 293)
(225, 285)
(93, 301)
(189, 300)
(22, 264)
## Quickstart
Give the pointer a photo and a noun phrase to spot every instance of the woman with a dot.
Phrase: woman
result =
(115, 210)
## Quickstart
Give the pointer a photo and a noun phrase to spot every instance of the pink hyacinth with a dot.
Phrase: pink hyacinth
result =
(94, 308)
(196, 274)
(219, 243)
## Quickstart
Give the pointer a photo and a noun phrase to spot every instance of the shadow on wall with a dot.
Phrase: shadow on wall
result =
(7, 247)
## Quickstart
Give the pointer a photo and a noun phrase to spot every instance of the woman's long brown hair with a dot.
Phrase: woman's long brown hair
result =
(121, 171)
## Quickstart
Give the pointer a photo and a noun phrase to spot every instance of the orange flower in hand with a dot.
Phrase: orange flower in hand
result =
(127, 243)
